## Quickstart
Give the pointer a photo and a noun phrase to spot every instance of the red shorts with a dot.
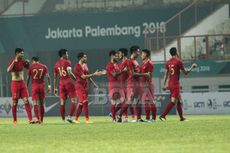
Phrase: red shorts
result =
(38, 91)
(175, 91)
(19, 90)
(67, 89)
(116, 93)
(82, 94)
(147, 93)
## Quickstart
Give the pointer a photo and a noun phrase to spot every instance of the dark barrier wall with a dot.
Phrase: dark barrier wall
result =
(98, 106)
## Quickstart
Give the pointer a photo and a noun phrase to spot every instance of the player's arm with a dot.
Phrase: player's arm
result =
(28, 80)
(93, 82)
(187, 70)
(55, 85)
(69, 70)
(87, 76)
(140, 74)
(49, 83)
(165, 79)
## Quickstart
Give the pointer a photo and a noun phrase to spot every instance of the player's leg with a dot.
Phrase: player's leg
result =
(36, 109)
(78, 111)
(146, 101)
(173, 100)
(131, 108)
(25, 95)
(152, 103)
(180, 110)
(72, 109)
(72, 94)
(62, 108)
(42, 110)
(127, 100)
(63, 96)
(169, 106)
(14, 111)
(35, 98)
(15, 96)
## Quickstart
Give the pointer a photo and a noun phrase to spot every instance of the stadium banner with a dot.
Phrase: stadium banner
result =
(87, 30)
(205, 68)
(99, 105)
(206, 103)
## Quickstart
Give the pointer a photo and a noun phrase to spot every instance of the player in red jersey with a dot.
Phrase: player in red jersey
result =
(82, 75)
(133, 84)
(63, 70)
(122, 53)
(18, 86)
(173, 68)
(38, 72)
(147, 88)
(116, 92)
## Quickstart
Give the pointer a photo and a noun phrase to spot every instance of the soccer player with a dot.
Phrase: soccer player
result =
(147, 88)
(18, 86)
(116, 92)
(38, 72)
(173, 68)
(133, 84)
(63, 70)
(122, 54)
(82, 76)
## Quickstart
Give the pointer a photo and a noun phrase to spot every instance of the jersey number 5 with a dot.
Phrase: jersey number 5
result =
(171, 68)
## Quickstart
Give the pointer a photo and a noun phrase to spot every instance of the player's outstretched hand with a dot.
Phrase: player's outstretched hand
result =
(49, 89)
(194, 65)
(164, 88)
(56, 92)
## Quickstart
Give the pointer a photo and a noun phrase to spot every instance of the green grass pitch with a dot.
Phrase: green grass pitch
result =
(201, 134)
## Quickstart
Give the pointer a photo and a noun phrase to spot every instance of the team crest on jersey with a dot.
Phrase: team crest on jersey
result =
(7, 106)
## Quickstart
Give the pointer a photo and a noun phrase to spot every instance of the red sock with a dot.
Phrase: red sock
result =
(126, 114)
(79, 109)
(124, 109)
(28, 111)
(14, 111)
(138, 110)
(132, 110)
(168, 108)
(86, 110)
(113, 109)
(179, 109)
(147, 111)
(62, 111)
(72, 108)
(36, 112)
(42, 112)
(154, 111)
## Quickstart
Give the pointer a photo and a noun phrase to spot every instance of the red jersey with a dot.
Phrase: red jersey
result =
(132, 66)
(37, 71)
(79, 70)
(60, 68)
(110, 69)
(19, 65)
(174, 65)
(145, 68)
(124, 75)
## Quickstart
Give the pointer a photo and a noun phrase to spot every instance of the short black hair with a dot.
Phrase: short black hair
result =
(173, 51)
(124, 51)
(35, 58)
(62, 52)
(148, 53)
(18, 50)
(133, 49)
(80, 55)
(112, 53)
